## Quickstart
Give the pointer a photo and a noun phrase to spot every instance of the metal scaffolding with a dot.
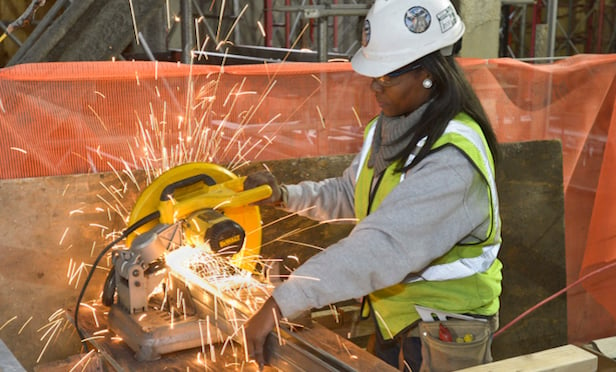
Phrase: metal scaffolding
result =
(320, 17)
(563, 28)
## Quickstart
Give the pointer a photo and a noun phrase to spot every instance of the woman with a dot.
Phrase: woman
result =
(422, 189)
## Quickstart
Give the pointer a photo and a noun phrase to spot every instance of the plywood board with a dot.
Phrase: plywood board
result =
(566, 358)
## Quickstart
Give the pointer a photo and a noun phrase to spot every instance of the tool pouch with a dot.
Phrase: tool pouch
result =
(449, 356)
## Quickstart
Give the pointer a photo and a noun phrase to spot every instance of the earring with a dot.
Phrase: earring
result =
(427, 83)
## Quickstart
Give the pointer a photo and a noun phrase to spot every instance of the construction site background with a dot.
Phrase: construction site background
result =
(91, 117)
(522, 29)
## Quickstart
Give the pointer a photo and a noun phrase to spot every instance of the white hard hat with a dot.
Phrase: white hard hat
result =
(398, 32)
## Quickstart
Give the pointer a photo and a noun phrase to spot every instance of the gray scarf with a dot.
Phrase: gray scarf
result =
(388, 141)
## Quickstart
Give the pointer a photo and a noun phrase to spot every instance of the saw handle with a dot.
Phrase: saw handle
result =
(227, 194)
(167, 193)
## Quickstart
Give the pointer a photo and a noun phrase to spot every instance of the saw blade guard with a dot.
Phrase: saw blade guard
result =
(181, 191)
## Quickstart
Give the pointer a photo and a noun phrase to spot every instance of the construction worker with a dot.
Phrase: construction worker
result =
(422, 190)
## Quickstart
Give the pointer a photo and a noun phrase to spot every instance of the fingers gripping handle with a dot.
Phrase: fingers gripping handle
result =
(265, 178)
(254, 195)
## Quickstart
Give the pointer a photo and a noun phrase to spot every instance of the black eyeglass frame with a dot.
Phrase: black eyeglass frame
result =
(403, 70)
(384, 80)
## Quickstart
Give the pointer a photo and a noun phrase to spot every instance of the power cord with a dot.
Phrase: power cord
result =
(124, 234)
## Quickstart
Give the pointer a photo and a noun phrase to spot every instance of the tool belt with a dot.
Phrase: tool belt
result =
(445, 356)
(469, 343)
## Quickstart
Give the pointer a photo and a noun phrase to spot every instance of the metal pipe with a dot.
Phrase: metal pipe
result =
(287, 26)
(322, 47)
(533, 31)
(589, 28)
(236, 30)
(38, 31)
(570, 44)
(571, 17)
(600, 26)
(10, 34)
(523, 29)
(210, 32)
(296, 22)
(335, 29)
(542, 59)
(268, 20)
(146, 46)
(552, 19)
(505, 25)
(188, 30)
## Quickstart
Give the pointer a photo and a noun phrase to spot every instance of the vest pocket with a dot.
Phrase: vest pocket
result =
(470, 346)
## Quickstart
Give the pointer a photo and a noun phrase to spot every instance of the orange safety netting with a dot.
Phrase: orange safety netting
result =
(66, 118)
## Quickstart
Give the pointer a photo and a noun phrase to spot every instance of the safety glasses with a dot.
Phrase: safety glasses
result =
(390, 79)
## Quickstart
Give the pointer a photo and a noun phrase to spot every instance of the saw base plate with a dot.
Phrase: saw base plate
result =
(154, 333)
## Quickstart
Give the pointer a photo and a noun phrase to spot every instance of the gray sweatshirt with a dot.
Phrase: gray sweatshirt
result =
(441, 201)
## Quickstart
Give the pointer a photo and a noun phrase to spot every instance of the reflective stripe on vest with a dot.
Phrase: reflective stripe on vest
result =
(365, 149)
(469, 266)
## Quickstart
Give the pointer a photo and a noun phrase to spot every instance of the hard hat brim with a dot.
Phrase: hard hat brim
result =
(372, 68)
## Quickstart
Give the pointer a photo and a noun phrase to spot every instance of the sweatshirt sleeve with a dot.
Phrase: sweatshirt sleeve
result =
(440, 202)
(330, 199)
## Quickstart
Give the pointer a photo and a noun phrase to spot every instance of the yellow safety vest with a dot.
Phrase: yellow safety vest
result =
(467, 279)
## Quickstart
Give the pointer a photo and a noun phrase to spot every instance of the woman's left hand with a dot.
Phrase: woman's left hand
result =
(258, 327)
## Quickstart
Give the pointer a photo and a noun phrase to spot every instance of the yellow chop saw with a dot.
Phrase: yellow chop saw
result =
(199, 207)
(189, 276)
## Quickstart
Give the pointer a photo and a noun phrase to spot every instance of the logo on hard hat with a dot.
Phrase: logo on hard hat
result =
(417, 19)
(365, 35)
(447, 19)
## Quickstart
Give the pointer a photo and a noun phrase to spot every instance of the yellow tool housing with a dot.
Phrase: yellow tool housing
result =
(202, 186)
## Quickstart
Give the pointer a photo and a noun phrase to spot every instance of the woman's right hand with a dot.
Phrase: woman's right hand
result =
(264, 178)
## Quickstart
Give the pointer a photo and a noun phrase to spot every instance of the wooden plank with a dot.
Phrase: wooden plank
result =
(568, 358)
(605, 364)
